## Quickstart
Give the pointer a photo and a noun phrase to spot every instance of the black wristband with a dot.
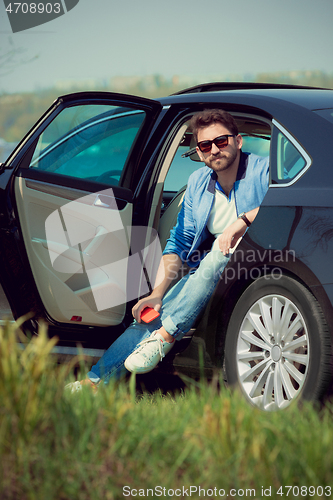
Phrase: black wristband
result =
(245, 219)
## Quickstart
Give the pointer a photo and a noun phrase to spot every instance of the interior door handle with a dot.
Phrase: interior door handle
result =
(100, 203)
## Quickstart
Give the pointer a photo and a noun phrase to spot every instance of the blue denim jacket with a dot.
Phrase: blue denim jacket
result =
(191, 230)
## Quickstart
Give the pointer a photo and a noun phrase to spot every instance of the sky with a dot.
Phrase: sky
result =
(101, 39)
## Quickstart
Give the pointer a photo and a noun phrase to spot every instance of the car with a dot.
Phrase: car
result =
(88, 199)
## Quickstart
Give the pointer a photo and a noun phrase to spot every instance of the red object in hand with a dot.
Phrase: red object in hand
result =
(148, 314)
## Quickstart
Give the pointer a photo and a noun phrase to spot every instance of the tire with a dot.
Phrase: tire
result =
(277, 346)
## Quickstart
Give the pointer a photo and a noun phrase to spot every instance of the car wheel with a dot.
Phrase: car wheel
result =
(277, 345)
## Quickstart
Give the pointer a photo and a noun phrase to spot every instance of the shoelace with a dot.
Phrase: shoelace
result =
(160, 344)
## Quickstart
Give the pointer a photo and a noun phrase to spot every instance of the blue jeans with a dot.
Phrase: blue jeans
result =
(180, 307)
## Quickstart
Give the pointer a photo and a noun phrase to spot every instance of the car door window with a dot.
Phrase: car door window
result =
(88, 142)
(291, 160)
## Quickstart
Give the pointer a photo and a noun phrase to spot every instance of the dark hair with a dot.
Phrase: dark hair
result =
(203, 119)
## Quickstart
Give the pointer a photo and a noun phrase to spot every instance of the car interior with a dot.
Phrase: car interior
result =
(256, 139)
(61, 225)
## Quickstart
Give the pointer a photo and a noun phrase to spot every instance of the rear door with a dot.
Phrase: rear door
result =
(74, 202)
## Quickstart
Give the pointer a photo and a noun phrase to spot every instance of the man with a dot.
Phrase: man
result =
(222, 199)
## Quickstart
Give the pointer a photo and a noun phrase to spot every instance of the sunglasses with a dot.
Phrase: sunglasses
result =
(221, 142)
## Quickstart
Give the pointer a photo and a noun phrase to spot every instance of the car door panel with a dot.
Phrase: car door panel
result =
(66, 290)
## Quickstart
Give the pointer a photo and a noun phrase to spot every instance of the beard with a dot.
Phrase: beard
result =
(221, 161)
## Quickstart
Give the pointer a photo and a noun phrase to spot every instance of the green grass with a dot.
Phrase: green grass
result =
(55, 445)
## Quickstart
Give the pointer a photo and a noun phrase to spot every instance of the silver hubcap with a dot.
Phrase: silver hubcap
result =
(272, 353)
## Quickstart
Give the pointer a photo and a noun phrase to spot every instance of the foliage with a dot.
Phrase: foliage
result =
(19, 112)
(56, 445)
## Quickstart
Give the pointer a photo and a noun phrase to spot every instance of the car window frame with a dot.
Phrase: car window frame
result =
(19, 160)
(279, 128)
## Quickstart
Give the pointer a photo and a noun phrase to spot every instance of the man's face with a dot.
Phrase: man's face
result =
(217, 159)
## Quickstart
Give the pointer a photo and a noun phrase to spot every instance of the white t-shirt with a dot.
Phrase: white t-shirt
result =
(222, 215)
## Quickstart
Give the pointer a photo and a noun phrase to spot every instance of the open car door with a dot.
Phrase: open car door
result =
(72, 196)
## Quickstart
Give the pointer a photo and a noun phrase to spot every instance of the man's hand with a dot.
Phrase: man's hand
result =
(168, 269)
(151, 301)
(231, 235)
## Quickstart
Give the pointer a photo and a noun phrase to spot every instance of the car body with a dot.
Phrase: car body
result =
(99, 156)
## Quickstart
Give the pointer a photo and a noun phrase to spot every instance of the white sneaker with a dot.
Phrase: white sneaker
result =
(77, 386)
(148, 354)
(73, 387)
